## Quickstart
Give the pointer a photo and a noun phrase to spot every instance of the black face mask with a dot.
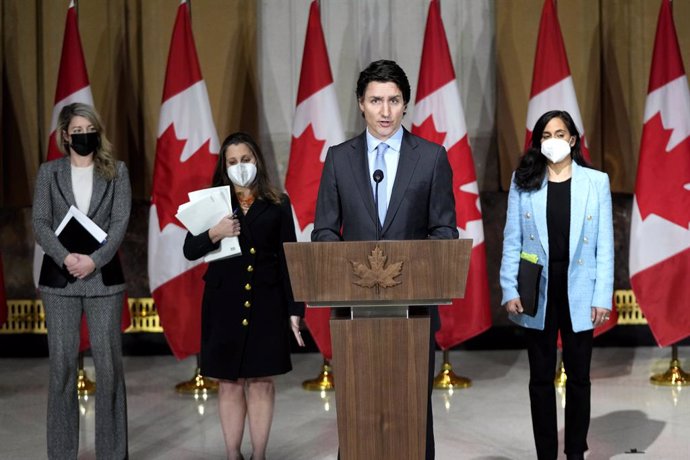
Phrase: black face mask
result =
(85, 143)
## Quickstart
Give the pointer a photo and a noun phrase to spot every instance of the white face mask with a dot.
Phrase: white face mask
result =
(555, 149)
(242, 174)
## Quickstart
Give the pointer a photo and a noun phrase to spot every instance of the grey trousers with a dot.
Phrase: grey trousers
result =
(63, 318)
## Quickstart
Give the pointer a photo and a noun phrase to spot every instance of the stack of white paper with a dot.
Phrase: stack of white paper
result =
(89, 225)
(205, 209)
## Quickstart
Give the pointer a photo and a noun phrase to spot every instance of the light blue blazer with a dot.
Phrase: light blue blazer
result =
(590, 270)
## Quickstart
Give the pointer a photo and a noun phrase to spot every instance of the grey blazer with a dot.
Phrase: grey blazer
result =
(422, 204)
(109, 208)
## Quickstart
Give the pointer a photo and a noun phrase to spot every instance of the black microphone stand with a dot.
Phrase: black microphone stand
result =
(378, 177)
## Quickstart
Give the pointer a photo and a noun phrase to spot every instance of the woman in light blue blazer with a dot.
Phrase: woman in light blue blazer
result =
(559, 216)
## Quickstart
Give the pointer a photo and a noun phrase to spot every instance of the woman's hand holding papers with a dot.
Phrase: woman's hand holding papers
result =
(228, 226)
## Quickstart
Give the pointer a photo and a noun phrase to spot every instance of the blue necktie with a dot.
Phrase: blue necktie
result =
(380, 163)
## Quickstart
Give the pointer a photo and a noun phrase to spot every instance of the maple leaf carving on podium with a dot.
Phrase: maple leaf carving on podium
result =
(462, 164)
(173, 179)
(664, 175)
(304, 174)
(376, 274)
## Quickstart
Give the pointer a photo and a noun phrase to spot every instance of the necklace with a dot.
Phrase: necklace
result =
(245, 202)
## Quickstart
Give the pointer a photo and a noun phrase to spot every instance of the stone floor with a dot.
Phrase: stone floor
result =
(631, 419)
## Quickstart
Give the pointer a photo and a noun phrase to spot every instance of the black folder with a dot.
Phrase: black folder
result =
(75, 238)
(529, 276)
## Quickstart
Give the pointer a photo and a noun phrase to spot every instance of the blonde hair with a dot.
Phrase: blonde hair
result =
(104, 162)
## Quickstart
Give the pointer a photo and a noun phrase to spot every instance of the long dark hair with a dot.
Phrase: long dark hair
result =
(529, 174)
(262, 186)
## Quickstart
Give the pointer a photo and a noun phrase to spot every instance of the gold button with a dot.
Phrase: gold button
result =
(586, 240)
(589, 217)
(528, 215)
(245, 322)
(247, 304)
(247, 287)
(250, 268)
(252, 251)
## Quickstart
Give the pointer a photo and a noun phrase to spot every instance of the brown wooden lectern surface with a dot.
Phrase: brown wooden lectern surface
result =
(381, 363)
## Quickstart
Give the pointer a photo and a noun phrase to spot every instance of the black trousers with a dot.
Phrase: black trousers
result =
(577, 355)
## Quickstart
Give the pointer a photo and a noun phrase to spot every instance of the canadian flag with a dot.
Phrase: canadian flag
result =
(660, 221)
(439, 117)
(3, 299)
(315, 127)
(72, 86)
(552, 83)
(186, 153)
(553, 89)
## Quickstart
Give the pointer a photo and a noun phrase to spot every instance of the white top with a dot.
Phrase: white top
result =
(82, 186)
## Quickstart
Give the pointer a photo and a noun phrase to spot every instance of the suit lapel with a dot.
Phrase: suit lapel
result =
(409, 156)
(579, 192)
(360, 174)
(64, 181)
(539, 209)
(97, 193)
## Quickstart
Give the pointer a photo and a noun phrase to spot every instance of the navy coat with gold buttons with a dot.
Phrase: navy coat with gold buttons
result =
(247, 303)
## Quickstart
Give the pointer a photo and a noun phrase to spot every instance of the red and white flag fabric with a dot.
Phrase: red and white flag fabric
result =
(186, 153)
(72, 86)
(315, 127)
(3, 298)
(439, 117)
(660, 221)
(552, 82)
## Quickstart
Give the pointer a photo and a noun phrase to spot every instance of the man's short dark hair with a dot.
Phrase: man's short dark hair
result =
(384, 71)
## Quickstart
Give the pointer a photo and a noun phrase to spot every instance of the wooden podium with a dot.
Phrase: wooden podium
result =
(380, 352)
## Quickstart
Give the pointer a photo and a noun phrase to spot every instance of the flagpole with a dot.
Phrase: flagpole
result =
(197, 385)
(322, 382)
(674, 376)
(85, 386)
(447, 379)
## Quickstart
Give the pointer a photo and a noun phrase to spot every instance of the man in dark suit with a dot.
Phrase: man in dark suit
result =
(415, 192)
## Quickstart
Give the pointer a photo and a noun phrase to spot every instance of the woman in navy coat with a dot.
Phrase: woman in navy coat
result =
(248, 309)
(559, 215)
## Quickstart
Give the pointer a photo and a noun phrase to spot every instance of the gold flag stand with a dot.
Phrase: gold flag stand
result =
(447, 379)
(674, 376)
(85, 386)
(561, 377)
(324, 381)
(198, 385)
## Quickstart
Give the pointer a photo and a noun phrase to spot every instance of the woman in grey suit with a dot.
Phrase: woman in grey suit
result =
(559, 217)
(89, 178)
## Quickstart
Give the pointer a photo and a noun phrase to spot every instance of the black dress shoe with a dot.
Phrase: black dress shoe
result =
(575, 456)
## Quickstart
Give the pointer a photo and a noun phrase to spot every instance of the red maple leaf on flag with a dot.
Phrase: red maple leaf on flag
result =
(304, 170)
(663, 175)
(465, 202)
(173, 179)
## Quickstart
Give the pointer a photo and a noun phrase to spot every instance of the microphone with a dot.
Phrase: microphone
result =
(378, 177)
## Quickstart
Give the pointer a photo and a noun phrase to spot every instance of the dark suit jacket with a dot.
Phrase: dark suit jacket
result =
(422, 204)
